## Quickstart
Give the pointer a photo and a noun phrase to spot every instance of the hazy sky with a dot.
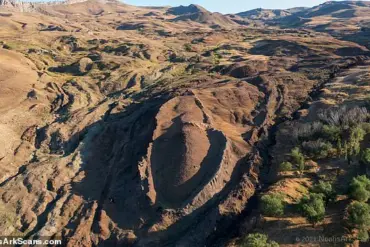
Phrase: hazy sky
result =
(230, 6)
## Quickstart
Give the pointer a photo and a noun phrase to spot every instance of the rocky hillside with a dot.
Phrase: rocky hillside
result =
(198, 14)
(151, 126)
(347, 20)
(264, 14)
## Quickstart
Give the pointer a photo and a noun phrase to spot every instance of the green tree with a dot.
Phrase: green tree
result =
(332, 133)
(363, 235)
(365, 157)
(258, 240)
(313, 208)
(357, 135)
(359, 189)
(352, 145)
(365, 127)
(326, 189)
(285, 166)
(358, 216)
(298, 159)
(272, 205)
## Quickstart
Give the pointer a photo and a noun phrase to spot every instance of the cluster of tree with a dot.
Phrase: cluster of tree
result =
(343, 116)
(312, 206)
(358, 212)
(359, 189)
(358, 217)
(326, 189)
(338, 132)
(297, 162)
(365, 157)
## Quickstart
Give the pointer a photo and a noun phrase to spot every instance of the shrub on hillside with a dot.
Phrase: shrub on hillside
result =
(365, 127)
(306, 131)
(357, 135)
(324, 188)
(258, 240)
(351, 146)
(359, 189)
(332, 133)
(332, 115)
(363, 235)
(365, 157)
(358, 217)
(318, 148)
(272, 205)
(298, 159)
(313, 208)
(285, 167)
(355, 116)
(343, 116)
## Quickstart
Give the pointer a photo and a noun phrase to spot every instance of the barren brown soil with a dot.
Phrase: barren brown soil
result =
(142, 126)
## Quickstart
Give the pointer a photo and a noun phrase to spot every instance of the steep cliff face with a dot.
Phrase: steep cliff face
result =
(17, 5)
(7, 3)
(25, 6)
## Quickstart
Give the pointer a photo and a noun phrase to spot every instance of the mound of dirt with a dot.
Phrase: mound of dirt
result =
(176, 177)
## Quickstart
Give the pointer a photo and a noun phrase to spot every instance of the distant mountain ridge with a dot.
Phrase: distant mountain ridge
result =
(264, 14)
(256, 14)
(199, 14)
(25, 6)
(17, 2)
(324, 17)
(183, 10)
(339, 9)
(347, 20)
(192, 12)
